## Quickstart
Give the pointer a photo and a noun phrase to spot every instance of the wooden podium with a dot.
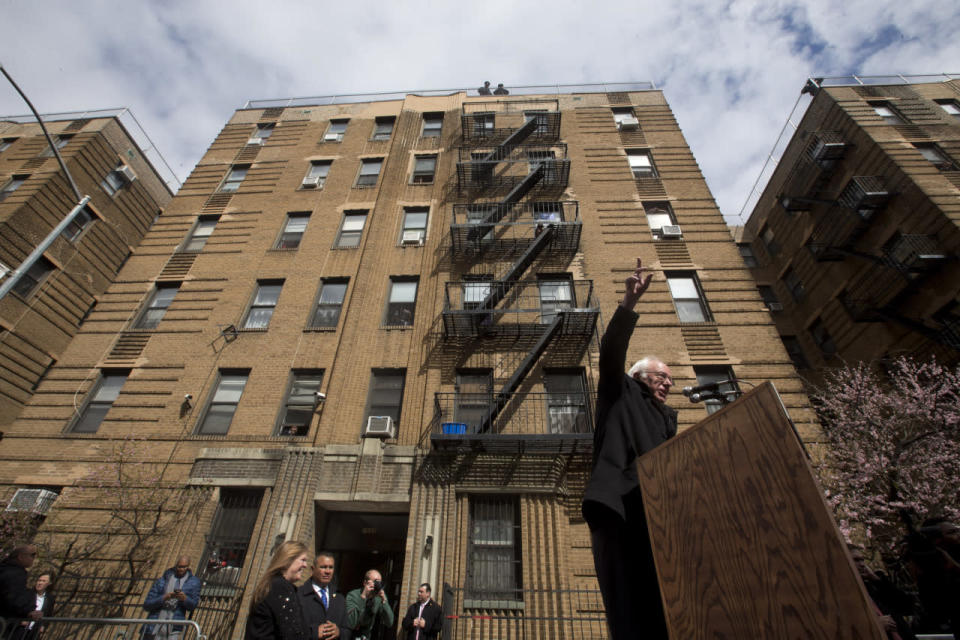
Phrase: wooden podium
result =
(744, 542)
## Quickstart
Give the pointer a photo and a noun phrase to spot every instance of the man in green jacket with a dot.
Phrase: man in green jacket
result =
(367, 607)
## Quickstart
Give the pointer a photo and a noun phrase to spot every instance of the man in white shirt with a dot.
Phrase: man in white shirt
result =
(324, 611)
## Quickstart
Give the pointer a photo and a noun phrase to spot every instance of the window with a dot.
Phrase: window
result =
(476, 288)
(11, 185)
(293, 230)
(483, 124)
(369, 171)
(936, 156)
(547, 211)
(888, 113)
(264, 302)
(474, 398)
(236, 175)
(5, 143)
(264, 131)
(822, 338)
(556, 294)
(746, 252)
(80, 222)
(950, 106)
(659, 215)
(383, 127)
(402, 302)
(160, 300)
(537, 158)
(641, 164)
(566, 402)
(711, 374)
(794, 284)
(301, 402)
(317, 175)
(414, 225)
(424, 168)
(100, 399)
(795, 351)
(329, 303)
(60, 142)
(35, 275)
(229, 538)
(494, 554)
(624, 116)
(476, 214)
(770, 241)
(386, 394)
(223, 402)
(335, 131)
(111, 183)
(543, 120)
(769, 298)
(351, 229)
(688, 297)
(432, 125)
(200, 233)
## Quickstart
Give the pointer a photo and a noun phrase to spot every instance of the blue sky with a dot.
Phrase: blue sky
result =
(731, 71)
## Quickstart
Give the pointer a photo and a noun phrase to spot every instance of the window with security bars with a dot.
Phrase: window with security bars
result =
(200, 233)
(543, 120)
(160, 300)
(293, 230)
(229, 538)
(300, 403)
(329, 303)
(223, 402)
(100, 400)
(566, 401)
(494, 570)
(263, 305)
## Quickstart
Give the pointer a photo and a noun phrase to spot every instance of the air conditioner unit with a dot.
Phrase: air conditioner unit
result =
(775, 306)
(671, 231)
(36, 501)
(255, 140)
(379, 427)
(126, 173)
(331, 137)
(629, 124)
(311, 182)
(412, 237)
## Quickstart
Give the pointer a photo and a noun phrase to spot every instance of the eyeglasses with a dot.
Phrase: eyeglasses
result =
(659, 376)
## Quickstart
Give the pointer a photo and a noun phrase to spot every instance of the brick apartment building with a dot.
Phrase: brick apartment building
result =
(371, 323)
(43, 310)
(854, 240)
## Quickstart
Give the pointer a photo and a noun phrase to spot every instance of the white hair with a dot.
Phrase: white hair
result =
(643, 365)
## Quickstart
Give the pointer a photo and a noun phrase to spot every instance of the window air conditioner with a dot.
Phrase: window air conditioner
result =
(331, 137)
(775, 306)
(36, 501)
(412, 237)
(255, 140)
(126, 173)
(310, 182)
(629, 124)
(379, 427)
(671, 231)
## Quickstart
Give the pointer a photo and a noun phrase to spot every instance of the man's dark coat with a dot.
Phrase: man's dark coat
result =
(432, 615)
(314, 613)
(16, 599)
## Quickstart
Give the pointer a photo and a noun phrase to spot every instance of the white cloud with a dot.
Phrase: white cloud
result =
(731, 71)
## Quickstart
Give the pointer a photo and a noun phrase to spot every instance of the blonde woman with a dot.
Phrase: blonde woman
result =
(275, 608)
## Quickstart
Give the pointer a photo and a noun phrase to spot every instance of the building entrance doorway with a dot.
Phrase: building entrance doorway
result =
(363, 540)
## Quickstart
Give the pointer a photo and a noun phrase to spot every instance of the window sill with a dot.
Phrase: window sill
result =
(320, 330)
(364, 186)
(400, 327)
(283, 250)
(509, 605)
(414, 183)
(252, 330)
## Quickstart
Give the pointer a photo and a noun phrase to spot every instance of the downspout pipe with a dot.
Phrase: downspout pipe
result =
(43, 246)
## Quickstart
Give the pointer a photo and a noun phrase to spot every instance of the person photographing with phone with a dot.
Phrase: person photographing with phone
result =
(173, 594)
(367, 607)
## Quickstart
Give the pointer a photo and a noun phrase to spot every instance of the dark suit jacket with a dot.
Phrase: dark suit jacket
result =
(22, 633)
(314, 613)
(432, 615)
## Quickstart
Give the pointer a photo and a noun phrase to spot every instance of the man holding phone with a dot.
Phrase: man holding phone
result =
(171, 596)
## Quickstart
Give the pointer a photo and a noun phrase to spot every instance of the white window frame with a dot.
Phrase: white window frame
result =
(350, 228)
(641, 163)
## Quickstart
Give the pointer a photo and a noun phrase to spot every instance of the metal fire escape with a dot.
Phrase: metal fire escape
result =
(512, 178)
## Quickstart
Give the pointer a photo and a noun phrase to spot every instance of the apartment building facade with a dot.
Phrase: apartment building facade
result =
(46, 304)
(854, 240)
(372, 324)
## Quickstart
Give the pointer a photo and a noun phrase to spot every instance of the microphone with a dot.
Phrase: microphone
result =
(709, 386)
(710, 390)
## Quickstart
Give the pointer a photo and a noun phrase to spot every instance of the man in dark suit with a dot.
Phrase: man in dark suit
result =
(423, 619)
(324, 611)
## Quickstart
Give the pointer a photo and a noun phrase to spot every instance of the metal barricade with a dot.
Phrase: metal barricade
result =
(110, 629)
